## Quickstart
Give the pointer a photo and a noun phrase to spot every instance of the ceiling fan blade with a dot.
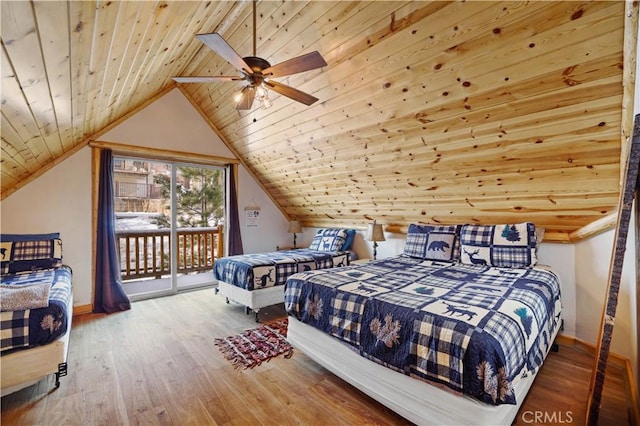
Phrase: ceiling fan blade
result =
(290, 92)
(196, 79)
(219, 45)
(295, 65)
(246, 98)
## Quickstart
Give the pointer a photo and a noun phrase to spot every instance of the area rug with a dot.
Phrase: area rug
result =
(252, 347)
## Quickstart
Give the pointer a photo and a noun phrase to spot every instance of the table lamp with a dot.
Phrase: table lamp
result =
(294, 228)
(375, 233)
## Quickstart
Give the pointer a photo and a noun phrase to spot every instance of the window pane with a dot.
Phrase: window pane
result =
(142, 200)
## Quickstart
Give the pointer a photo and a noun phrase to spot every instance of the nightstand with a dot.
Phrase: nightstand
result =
(360, 261)
(282, 248)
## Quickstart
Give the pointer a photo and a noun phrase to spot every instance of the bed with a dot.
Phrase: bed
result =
(36, 310)
(451, 331)
(257, 280)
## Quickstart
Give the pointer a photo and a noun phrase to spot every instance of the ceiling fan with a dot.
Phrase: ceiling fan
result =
(258, 72)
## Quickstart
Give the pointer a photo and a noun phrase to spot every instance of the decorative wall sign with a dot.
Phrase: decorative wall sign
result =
(629, 189)
(252, 213)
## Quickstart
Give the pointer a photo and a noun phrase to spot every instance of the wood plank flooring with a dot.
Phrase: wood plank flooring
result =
(157, 365)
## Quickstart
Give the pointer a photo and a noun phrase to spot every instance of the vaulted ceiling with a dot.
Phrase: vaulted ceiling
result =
(450, 112)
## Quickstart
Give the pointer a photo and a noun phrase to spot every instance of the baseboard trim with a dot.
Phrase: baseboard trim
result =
(82, 309)
(632, 396)
(617, 361)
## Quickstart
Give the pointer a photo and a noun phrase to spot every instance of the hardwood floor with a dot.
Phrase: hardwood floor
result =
(156, 365)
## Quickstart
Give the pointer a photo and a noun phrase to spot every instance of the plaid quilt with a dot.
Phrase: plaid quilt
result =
(261, 270)
(472, 328)
(34, 327)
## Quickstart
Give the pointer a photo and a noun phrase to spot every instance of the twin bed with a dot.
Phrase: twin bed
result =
(36, 310)
(452, 331)
(257, 280)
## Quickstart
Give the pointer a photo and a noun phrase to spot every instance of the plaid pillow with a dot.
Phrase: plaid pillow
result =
(328, 239)
(433, 242)
(503, 246)
(25, 254)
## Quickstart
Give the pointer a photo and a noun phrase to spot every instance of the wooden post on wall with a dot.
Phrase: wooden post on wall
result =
(625, 206)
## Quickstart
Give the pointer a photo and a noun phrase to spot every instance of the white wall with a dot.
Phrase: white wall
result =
(169, 123)
(271, 231)
(592, 276)
(562, 258)
(60, 200)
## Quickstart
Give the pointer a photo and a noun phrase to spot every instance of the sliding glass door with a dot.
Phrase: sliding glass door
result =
(169, 219)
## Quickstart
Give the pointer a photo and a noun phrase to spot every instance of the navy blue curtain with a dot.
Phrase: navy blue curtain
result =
(109, 296)
(233, 230)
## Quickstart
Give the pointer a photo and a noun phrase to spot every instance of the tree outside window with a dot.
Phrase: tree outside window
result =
(199, 193)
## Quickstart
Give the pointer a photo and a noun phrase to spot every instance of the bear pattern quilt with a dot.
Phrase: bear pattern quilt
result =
(261, 270)
(472, 328)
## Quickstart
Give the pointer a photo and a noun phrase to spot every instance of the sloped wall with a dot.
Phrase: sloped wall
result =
(593, 258)
(59, 201)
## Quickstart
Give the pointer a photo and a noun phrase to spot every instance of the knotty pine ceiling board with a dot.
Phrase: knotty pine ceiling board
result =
(450, 112)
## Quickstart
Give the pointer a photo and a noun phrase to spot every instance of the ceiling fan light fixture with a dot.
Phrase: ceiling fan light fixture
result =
(238, 96)
(244, 98)
(262, 94)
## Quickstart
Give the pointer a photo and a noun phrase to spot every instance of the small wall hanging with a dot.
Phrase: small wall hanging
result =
(252, 213)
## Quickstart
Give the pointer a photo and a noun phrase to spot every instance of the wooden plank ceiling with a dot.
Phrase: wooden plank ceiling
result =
(450, 112)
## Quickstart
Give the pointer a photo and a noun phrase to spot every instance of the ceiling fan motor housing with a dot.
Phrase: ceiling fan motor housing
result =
(257, 66)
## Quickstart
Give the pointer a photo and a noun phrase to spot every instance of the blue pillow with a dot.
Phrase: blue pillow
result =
(327, 239)
(28, 237)
(348, 242)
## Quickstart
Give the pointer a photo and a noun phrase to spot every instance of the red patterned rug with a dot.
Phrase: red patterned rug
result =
(252, 347)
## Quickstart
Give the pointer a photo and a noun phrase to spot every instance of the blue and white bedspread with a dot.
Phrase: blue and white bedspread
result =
(471, 328)
(33, 327)
(261, 270)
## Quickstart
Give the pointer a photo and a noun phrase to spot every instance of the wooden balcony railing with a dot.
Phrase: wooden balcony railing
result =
(147, 191)
(146, 253)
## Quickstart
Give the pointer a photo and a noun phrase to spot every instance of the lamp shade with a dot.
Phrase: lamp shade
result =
(374, 232)
(294, 227)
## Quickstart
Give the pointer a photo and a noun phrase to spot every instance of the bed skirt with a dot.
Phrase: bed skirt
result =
(418, 401)
(252, 299)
